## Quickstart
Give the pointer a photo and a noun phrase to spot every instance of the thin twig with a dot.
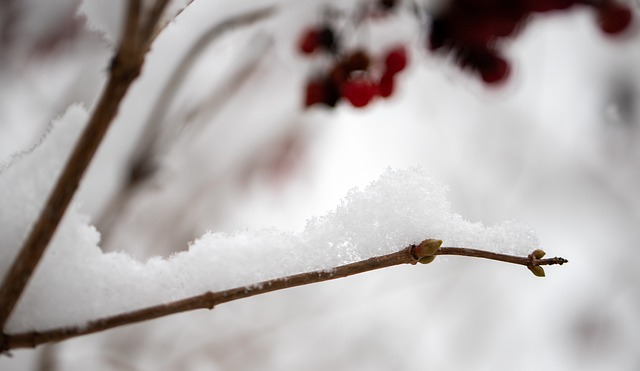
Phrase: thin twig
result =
(409, 255)
(156, 137)
(149, 140)
(526, 261)
(125, 68)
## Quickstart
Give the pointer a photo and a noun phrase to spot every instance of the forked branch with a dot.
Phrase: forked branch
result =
(424, 252)
(125, 68)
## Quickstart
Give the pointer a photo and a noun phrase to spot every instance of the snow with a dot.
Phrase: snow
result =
(76, 282)
(23, 190)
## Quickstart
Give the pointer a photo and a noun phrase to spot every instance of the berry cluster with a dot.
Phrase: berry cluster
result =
(353, 75)
(471, 29)
(468, 30)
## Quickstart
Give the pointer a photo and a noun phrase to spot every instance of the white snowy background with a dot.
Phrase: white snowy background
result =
(557, 148)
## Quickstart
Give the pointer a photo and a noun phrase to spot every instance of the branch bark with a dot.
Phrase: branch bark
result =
(125, 68)
(409, 255)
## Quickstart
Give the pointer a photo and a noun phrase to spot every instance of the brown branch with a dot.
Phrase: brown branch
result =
(125, 68)
(409, 255)
(207, 300)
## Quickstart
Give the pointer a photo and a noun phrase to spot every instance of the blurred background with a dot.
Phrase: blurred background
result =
(225, 144)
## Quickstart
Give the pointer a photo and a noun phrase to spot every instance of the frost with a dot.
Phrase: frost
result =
(77, 282)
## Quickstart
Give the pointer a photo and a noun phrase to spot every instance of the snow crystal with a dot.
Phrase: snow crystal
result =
(77, 282)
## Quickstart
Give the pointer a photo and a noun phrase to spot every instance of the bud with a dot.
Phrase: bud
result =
(427, 247)
(538, 254)
(536, 270)
(427, 259)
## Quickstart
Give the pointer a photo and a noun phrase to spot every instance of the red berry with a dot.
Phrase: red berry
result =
(386, 85)
(396, 60)
(614, 18)
(309, 41)
(358, 91)
(495, 71)
(315, 93)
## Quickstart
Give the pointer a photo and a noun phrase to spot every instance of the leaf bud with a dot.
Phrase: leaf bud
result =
(538, 254)
(427, 259)
(427, 247)
(536, 270)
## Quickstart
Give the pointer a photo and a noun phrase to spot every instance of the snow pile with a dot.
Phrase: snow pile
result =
(77, 282)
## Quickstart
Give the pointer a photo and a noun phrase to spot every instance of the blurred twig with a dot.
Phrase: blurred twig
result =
(151, 142)
(412, 254)
(157, 137)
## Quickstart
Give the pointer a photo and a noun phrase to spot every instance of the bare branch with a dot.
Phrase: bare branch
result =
(409, 255)
(125, 68)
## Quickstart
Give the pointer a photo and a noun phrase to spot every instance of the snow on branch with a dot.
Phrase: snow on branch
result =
(78, 289)
(421, 253)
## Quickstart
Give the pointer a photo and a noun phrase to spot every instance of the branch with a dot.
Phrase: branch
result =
(410, 255)
(533, 260)
(125, 68)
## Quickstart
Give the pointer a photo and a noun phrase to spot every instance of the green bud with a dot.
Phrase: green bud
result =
(536, 270)
(538, 254)
(427, 259)
(428, 247)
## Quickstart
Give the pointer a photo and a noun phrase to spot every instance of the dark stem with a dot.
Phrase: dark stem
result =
(526, 261)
